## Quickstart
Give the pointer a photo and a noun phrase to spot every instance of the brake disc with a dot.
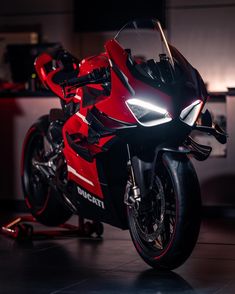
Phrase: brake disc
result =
(158, 204)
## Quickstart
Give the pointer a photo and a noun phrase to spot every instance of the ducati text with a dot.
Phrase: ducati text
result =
(90, 198)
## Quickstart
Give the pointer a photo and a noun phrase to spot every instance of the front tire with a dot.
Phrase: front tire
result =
(41, 199)
(166, 233)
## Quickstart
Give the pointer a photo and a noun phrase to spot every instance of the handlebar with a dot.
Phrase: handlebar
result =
(96, 76)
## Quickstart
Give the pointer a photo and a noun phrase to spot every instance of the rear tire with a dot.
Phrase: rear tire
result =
(177, 216)
(42, 200)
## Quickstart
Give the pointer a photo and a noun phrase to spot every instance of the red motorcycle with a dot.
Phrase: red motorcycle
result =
(118, 149)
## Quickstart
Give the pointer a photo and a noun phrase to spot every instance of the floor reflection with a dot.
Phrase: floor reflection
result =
(151, 281)
(111, 265)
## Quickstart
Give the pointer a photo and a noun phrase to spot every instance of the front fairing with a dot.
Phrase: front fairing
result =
(127, 82)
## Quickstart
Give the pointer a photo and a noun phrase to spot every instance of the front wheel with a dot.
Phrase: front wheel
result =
(165, 227)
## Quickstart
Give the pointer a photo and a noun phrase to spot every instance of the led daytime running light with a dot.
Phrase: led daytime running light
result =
(147, 105)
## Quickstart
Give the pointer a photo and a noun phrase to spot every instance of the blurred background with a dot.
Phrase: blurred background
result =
(202, 30)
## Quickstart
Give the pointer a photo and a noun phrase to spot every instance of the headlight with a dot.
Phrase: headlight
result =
(147, 113)
(190, 113)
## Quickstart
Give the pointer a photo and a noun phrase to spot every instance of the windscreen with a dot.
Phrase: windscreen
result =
(153, 60)
(145, 39)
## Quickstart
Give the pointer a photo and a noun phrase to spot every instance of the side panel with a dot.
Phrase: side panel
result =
(83, 173)
(80, 170)
(99, 186)
(112, 172)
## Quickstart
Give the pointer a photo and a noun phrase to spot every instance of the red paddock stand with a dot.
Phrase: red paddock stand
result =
(20, 229)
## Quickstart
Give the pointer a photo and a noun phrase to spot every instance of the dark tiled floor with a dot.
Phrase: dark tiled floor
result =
(111, 265)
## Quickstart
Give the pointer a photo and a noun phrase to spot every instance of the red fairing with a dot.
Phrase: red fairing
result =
(115, 106)
(81, 171)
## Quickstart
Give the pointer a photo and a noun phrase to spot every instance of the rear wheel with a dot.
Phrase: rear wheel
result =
(42, 200)
(165, 228)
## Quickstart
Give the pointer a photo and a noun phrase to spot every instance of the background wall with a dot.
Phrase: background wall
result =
(55, 17)
(204, 32)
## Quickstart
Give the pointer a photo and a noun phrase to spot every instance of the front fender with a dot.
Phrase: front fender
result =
(160, 150)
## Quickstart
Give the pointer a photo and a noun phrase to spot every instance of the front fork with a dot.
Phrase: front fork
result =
(132, 193)
(137, 186)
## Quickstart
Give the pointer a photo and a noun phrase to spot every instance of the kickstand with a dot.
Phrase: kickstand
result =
(20, 229)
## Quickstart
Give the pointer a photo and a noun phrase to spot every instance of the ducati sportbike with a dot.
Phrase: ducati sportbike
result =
(118, 151)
